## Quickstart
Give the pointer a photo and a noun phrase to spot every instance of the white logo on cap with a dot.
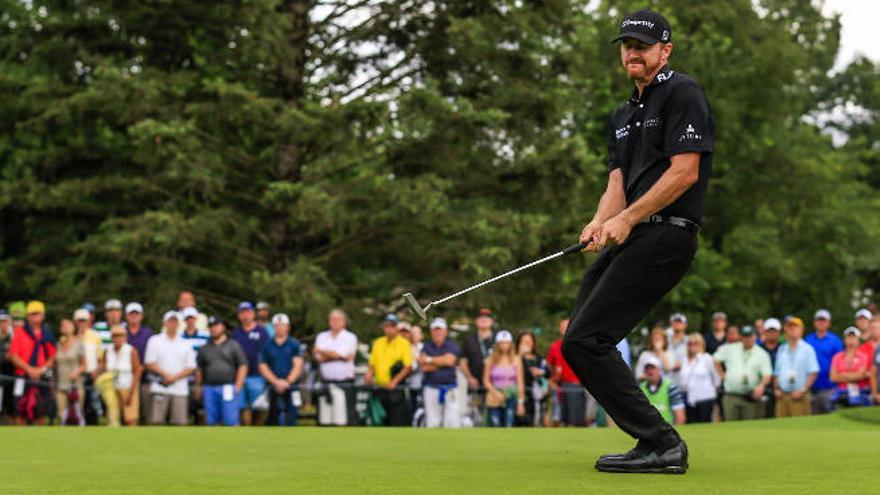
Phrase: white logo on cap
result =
(665, 35)
(627, 22)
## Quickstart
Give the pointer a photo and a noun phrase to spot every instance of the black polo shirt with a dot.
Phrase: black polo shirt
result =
(672, 117)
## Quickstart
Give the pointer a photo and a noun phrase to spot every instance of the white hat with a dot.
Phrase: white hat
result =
(81, 314)
(852, 331)
(189, 312)
(772, 324)
(134, 307)
(678, 317)
(822, 314)
(439, 323)
(280, 319)
(652, 360)
(504, 336)
(112, 304)
(863, 313)
(171, 315)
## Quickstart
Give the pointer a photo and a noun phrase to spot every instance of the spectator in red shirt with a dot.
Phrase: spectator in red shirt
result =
(32, 352)
(871, 337)
(850, 369)
(571, 394)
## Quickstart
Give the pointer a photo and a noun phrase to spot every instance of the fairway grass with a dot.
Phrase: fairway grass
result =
(821, 455)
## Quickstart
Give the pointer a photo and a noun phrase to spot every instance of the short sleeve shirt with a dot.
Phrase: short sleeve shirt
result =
(172, 356)
(743, 369)
(443, 376)
(671, 117)
(555, 359)
(279, 358)
(252, 342)
(219, 363)
(794, 366)
(22, 345)
(345, 344)
(826, 348)
(858, 363)
(386, 354)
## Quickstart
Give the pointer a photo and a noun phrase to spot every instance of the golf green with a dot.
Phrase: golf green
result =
(822, 455)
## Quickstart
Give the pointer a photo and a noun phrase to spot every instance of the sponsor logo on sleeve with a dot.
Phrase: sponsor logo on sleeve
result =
(690, 134)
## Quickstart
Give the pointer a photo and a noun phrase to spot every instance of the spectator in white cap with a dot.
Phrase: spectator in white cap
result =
(850, 371)
(437, 359)
(870, 338)
(770, 343)
(827, 345)
(504, 382)
(281, 364)
(717, 335)
(172, 359)
(138, 336)
(662, 392)
(262, 317)
(678, 340)
(112, 317)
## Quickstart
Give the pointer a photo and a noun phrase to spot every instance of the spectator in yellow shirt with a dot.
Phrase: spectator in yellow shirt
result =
(390, 363)
(98, 381)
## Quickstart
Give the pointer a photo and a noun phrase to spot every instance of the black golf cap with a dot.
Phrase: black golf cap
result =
(646, 26)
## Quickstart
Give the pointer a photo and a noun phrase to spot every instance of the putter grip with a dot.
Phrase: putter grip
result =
(575, 249)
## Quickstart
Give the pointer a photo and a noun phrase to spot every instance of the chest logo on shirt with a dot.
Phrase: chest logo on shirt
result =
(651, 123)
(254, 335)
(690, 134)
(622, 132)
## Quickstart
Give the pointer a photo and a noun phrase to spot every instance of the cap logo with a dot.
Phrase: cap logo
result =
(632, 22)
(665, 35)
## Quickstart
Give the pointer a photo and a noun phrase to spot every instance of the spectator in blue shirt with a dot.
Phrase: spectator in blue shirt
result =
(251, 337)
(281, 364)
(437, 360)
(796, 370)
(826, 345)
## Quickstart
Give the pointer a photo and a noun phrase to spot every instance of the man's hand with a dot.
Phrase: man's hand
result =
(777, 393)
(281, 386)
(758, 392)
(591, 233)
(615, 231)
(797, 394)
(34, 373)
(520, 409)
(197, 390)
(473, 383)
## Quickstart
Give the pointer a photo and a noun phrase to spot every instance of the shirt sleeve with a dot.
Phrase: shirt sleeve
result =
(720, 354)
(676, 400)
(373, 355)
(835, 362)
(406, 350)
(688, 122)
(766, 368)
(453, 348)
(777, 368)
(150, 354)
(190, 358)
(813, 363)
(612, 146)
(264, 355)
(200, 358)
(240, 357)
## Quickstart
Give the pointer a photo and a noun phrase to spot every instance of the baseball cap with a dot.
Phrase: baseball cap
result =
(134, 307)
(485, 312)
(822, 314)
(262, 305)
(651, 360)
(793, 320)
(852, 331)
(35, 307)
(81, 314)
(245, 305)
(719, 315)
(17, 310)
(747, 331)
(112, 304)
(862, 313)
(504, 336)
(678, 317)
(772, 324)
(90, 307)
(280, 319)
(439, 323)
(214, 320)
(171, 315)
(4, 315)
(646, 26)
(390, 318)
(189, 312)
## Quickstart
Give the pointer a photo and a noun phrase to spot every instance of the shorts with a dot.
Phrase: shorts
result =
(254, 386)
(217, 409)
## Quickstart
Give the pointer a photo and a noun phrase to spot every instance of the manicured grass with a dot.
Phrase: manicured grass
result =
(821, 455)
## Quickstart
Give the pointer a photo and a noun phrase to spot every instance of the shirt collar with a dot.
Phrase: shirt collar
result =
(663, 75)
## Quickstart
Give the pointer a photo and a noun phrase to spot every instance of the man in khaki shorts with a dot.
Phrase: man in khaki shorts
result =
(172, 359)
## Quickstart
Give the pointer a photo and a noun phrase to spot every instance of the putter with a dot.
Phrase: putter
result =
(422, 312)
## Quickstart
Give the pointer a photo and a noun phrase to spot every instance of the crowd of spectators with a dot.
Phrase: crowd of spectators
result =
(195, 370)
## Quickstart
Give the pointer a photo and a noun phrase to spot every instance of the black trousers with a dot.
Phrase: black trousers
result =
(617, 291)
(701, 412)
(396, 407)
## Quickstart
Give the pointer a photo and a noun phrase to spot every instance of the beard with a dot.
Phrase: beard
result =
(641, 70)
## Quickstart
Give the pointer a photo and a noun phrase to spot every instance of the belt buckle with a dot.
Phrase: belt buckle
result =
(655, 218)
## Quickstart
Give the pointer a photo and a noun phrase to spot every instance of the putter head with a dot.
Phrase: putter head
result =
(414, 305)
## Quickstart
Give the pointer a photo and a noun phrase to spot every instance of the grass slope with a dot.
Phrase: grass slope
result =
(822, 455)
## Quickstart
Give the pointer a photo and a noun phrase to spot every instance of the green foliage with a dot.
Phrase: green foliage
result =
(320, 153)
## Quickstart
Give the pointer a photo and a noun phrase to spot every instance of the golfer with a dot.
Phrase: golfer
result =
(659, 159)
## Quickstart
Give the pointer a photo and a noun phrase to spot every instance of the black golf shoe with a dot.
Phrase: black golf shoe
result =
(671, 461)
(641, 448)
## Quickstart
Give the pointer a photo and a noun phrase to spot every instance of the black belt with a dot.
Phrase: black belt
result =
(681, 222)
